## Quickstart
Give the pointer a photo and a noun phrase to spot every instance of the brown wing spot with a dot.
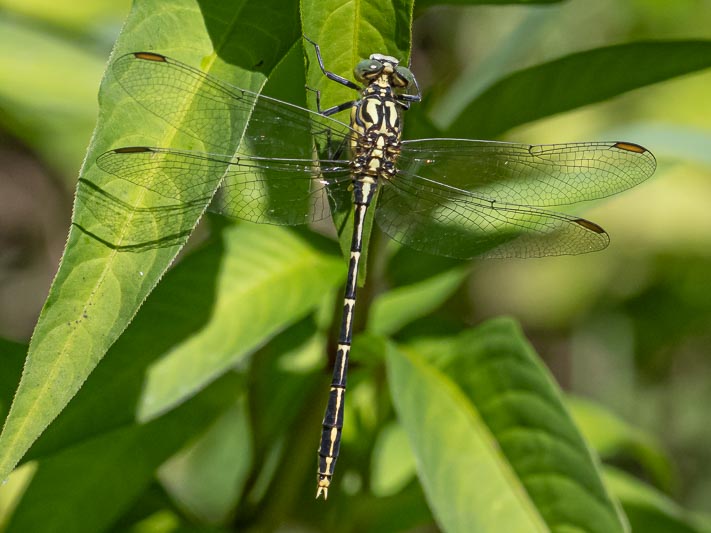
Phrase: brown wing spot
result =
(630, 147)
(589, 225)
(149, 56)
(132, 150)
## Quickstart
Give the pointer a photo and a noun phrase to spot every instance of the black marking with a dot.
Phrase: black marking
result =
(132, 150)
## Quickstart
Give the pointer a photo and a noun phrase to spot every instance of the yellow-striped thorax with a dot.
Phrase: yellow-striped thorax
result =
(377, 118)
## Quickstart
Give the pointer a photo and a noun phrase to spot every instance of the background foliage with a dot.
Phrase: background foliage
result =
(204, 413)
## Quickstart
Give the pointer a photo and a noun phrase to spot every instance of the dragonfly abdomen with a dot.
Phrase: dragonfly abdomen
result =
(333, 418)
(376, 118)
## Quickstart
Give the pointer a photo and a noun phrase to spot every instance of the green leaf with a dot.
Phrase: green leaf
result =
(648, 510)
(495, 448)
(393, 463)
(574, 81)
(98, 288)
(351, 32)
(394, 309)
(112, 470)
(267, 284)
(613, 437)
(216, 307)
(163, 521)
(207, 478)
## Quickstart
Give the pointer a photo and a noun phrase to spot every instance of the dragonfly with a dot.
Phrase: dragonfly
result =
(268, 161)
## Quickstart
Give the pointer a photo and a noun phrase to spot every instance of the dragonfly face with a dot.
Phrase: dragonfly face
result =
(279, 163)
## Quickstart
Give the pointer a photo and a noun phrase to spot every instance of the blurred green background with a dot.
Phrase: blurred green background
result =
(629, 327)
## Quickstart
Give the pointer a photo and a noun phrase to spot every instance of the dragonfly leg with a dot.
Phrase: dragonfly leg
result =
(331, 110)
(406, 99)
(337, 108)
(331, 75)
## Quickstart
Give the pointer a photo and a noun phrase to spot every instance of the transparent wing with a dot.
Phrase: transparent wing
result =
(282, 184)
(125, 226)
(215, 113)
(435, 218)
(542, 175)
(274, 191)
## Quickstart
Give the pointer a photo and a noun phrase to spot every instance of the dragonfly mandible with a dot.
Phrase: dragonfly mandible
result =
(284, 164)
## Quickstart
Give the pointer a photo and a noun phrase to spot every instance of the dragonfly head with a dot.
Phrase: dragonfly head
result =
(387, 70)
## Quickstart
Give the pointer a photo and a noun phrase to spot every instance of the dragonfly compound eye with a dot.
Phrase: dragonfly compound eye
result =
(403, 78)
(367, 70)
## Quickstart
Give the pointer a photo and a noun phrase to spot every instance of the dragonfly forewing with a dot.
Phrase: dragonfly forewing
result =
(533, 175)
(221, 118)
(282, 164)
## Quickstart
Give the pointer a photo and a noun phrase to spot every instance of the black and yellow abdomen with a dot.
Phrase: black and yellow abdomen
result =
(376, 119)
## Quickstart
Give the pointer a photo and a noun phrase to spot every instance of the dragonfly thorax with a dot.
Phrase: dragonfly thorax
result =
(377, 117)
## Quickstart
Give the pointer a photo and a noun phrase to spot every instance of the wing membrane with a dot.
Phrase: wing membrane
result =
(216, 113)
(272, 176)
(273, 191)
(452, 197)
(434, 218)
(533, 175)
(125, 226)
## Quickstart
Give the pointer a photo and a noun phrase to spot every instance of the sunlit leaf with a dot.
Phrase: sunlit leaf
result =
(208, 314)
(98, 288)
(495, 448)
(400, 306)
(351, 32)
